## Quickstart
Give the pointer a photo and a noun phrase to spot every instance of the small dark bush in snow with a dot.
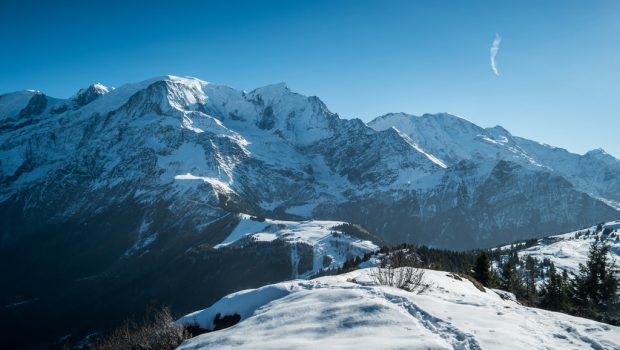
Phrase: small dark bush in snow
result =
(226, 321)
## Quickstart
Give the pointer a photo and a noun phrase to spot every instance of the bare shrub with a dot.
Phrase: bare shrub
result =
(156, 332)
(398, 270)
(407, 278)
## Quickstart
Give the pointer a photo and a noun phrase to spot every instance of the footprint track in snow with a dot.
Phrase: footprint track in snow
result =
(459, 340)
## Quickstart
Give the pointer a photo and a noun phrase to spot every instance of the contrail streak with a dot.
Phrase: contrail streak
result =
(494, 51)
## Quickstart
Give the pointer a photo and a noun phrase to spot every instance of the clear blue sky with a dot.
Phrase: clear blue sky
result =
(558, 61)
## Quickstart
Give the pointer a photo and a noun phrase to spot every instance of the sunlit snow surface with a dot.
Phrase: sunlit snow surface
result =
(567, 252)
(350, 312)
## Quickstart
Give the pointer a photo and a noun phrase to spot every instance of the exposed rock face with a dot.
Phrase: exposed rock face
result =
(36, 105)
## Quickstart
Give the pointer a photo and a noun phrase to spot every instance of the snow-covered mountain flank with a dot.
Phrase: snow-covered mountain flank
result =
(131, 193)
(351, 311)
(452, 139)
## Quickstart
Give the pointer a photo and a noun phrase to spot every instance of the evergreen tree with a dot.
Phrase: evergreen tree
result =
(482, 269)
(553, 292)
(596, 286)
(511, 281)
(494, 281)
(531, 271)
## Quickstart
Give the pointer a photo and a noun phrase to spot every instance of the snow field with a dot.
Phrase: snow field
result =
(349, 311)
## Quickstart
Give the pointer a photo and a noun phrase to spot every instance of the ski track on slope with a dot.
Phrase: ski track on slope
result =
(460, 340)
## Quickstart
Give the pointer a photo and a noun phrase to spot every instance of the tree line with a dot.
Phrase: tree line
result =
(592, 292)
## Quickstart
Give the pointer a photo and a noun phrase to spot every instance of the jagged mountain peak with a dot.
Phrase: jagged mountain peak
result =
(98, 88)
(89, 94)
(600, 154)
(445, 136)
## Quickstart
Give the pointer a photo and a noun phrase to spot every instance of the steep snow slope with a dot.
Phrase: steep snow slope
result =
(568, 250)
(349, 311)
(331, 247)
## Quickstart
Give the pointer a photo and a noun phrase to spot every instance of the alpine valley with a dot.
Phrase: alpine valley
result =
(177, 191)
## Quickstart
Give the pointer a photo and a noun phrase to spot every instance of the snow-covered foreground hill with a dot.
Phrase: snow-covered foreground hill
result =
(568, 250)
(350, 312)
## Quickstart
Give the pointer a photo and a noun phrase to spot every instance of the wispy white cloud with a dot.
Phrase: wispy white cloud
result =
(494, 51)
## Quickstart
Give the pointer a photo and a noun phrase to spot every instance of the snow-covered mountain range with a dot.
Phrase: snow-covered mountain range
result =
(201, 150)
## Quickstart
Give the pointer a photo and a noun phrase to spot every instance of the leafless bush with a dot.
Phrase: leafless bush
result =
(156, 332)
(398, 270)
(407, 278)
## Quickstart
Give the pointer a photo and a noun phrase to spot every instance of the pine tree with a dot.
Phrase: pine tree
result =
(554, 291)
(482, 269)
(596, 286)
(511, 281)
(530, 279)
